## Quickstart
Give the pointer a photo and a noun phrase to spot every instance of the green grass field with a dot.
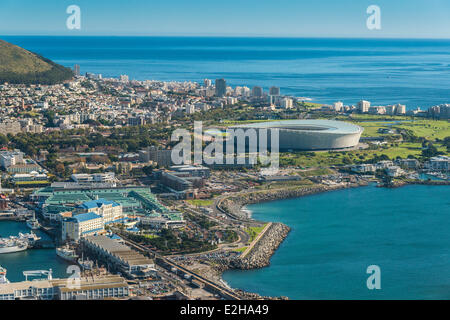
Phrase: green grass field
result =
(430, 129)
(201, 203)
(254, 232)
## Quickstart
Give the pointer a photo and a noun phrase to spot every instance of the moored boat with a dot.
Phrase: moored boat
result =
(12, 244)
(67, 254)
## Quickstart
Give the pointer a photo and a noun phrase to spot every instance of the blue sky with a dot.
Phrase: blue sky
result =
(297, 18)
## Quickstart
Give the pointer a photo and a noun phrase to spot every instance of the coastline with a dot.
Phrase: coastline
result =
(234, 204)
(260, 255)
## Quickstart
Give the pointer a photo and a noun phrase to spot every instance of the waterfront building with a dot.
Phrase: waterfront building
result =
(363, 106)
(56, 213)
(400, 109)
(394, 171)
(257, 92)
(81, 225)
(121, 256)
(439, 163)
(338, 106)
(377, 110)
(382, 165)
(363, 168)
(87, 288)
(221, 87)
(274, 91)
(110, 211)
(408, 163)
(286, 103)
(390, 110)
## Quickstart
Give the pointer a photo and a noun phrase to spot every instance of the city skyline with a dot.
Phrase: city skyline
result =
(285, 18)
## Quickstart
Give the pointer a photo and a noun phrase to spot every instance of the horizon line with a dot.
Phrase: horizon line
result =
(226, 36)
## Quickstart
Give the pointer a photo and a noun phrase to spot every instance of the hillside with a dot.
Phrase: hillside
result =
(18, 65)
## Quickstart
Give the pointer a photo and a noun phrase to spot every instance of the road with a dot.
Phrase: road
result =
(224, 292)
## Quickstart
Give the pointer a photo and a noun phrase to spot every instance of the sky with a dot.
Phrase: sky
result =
(273, 18)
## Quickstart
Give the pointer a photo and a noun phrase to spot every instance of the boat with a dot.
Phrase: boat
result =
(3, 279)
(67, 254)
(33, 223)
(85, 264)
(12, 244)
(31, 238)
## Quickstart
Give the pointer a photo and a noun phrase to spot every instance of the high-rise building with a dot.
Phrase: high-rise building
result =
(286, 103)
(274, 91)
(400, 109)
(338, 106)
(257, 91)
(207, 83)
(76, 69)
(363, 106)
(390, 110)
(221, 87)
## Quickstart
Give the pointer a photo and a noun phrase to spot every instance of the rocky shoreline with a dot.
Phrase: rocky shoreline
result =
(258, 257)
(263, 250)
(233, 205)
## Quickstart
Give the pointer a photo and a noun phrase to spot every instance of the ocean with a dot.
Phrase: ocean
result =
(411, 72)
(337, 235)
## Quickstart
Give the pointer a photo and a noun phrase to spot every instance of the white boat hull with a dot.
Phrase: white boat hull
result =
(13, 249)
(66, 257)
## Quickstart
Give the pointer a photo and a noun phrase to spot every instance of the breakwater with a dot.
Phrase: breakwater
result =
(259, 256)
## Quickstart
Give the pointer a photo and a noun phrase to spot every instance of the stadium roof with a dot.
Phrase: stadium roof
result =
(330, 126)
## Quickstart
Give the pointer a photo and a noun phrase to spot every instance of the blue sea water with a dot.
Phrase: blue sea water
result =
(411, 72)
(32, 259)
(336, 235)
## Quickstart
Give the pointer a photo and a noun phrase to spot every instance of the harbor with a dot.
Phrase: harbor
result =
(36, 258)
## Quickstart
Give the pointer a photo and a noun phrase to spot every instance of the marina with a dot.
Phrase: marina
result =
(31, 259)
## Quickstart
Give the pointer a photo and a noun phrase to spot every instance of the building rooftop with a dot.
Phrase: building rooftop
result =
(92, 204)
(86, 216)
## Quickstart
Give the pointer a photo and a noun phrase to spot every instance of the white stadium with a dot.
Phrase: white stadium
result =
(311, 134)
